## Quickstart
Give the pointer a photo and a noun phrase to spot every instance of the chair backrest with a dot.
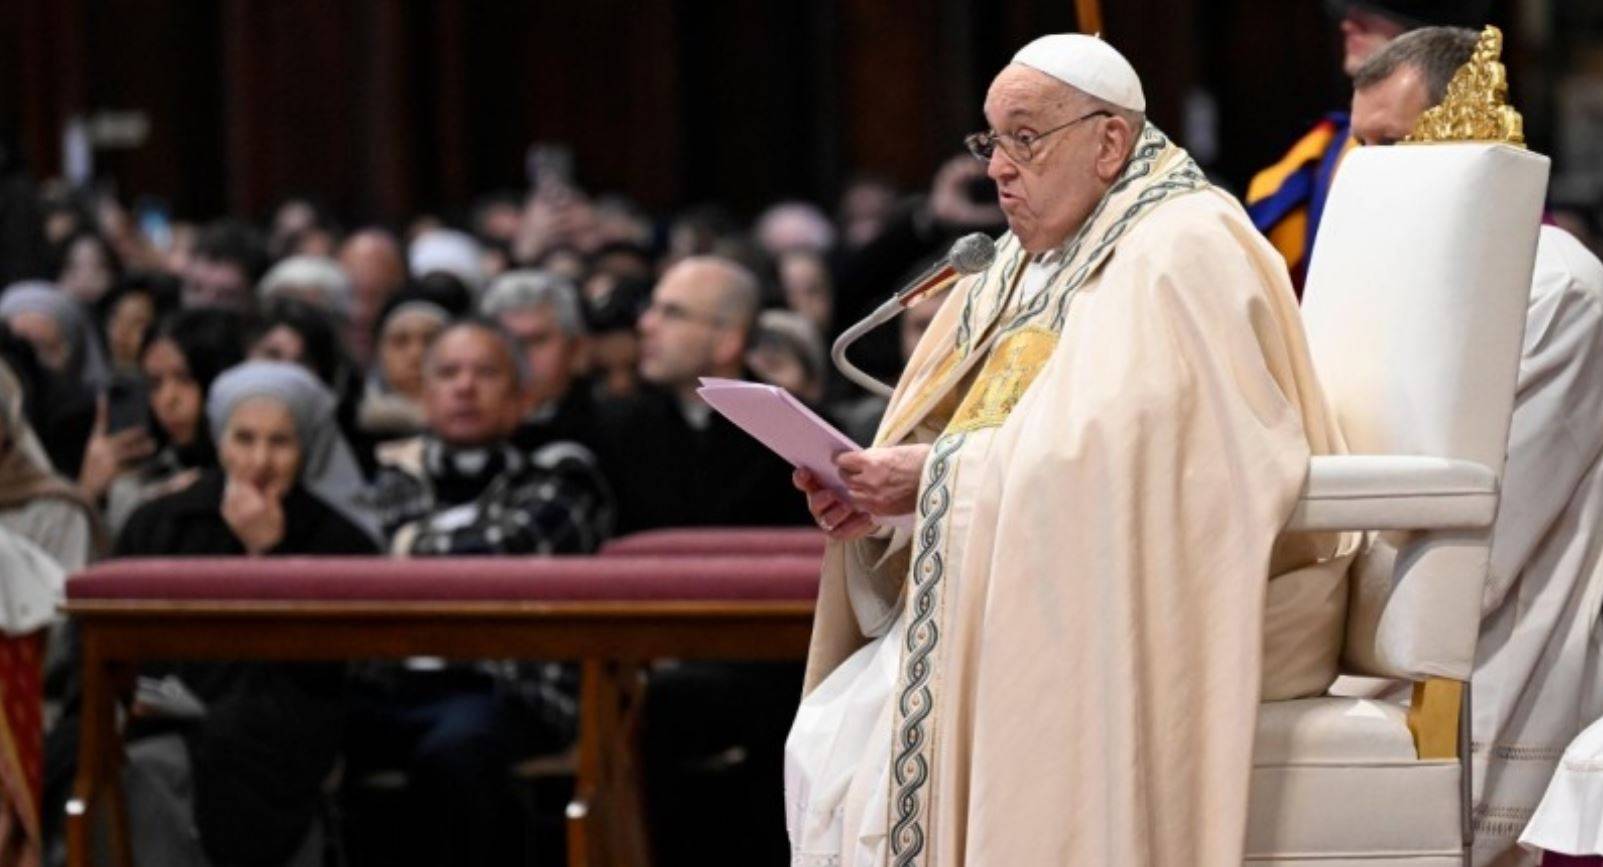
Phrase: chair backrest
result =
(1415, 310)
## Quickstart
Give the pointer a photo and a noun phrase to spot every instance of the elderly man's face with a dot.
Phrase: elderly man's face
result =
(552, 353)
(1384, 113)
(1047, 198)
(373, 262)
(470, 387)
(685, 334)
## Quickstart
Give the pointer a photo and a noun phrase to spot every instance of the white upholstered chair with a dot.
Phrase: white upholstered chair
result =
(1415, 310)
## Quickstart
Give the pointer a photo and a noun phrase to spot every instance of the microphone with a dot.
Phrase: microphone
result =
(970, 255)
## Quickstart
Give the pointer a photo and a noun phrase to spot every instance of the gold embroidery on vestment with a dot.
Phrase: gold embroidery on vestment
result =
(1007, 374)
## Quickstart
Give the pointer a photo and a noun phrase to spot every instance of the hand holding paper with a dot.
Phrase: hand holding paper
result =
(794, 432)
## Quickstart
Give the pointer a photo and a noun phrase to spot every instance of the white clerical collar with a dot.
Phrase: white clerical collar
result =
(697, 414)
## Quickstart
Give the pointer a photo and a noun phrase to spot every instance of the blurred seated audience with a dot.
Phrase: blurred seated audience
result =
(301, 227)
(60, 331)
(566, 262)
(35, 502)
(229, 258)
(226, 760)
(67, 365)
(614, 343)
(129, 312)
(786, 351)
(447, 251)
(295, 331)
(371, 258)
(808, 289)
(666, 441)
(543, 313)
(314, 280)
(89, 267)
(866, 206)
(391, 406)
(183, 357)
(794, 227)
(464, 488)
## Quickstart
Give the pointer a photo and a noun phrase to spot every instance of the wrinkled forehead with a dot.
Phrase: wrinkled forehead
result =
(1021, 93)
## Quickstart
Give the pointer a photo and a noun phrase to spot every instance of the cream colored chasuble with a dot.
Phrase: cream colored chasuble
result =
(1062, 664)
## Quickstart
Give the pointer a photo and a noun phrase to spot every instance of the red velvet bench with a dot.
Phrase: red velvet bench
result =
(719, 542)
(612, 614)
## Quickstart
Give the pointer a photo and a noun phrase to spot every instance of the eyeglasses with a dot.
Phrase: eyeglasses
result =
(669, 311)
(1020, 147)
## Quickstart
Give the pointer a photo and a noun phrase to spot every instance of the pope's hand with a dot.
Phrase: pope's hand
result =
(255, 516)
(884, 481)
(834, 516)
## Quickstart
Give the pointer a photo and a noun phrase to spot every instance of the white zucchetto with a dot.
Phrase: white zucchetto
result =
(1088, 64)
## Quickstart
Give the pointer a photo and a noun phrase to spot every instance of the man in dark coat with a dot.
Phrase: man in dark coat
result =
(678, 463)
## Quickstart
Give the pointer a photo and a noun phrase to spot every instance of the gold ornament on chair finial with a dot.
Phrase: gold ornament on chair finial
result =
(1476, 106)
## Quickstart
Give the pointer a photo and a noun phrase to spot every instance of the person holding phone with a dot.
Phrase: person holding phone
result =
(132, 463)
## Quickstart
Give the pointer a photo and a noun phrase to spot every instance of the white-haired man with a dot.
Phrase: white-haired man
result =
(544, 313)
(1099, 440)
(315, 280)
(1536, 663)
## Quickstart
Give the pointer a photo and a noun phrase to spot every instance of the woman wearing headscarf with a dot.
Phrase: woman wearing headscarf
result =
(292, 330)
(392, 401)
(61, 406)
(180, 360)
(59, 330)
(251, 742)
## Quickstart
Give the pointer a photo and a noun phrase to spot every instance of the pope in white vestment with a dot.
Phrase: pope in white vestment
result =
(1062, 663)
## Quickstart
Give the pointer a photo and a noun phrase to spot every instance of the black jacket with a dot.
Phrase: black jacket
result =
(272, 730)
(669, 474)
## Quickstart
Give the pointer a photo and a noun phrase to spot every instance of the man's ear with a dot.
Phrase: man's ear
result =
(1113, 147)
(730, 347)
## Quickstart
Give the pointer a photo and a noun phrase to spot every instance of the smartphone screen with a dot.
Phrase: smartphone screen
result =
(127, 404)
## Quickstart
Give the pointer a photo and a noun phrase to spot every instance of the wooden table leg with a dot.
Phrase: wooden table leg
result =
(606, 819)
(99, 761)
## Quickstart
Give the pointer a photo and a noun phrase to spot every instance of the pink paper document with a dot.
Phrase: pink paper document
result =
(787, 427)
(782, 423)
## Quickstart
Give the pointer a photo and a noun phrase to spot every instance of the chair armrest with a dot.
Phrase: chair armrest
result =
(1395, 492)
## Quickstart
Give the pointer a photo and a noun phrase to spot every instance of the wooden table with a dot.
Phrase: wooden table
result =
(611, 614)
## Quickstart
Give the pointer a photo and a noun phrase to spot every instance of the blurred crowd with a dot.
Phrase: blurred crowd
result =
(520, 381)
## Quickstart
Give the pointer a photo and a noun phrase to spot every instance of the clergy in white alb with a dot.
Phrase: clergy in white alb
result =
(1100, 438)
(1538, 676)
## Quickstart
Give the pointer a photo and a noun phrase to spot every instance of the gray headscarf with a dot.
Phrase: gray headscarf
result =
(328, 466)
(86, 362)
